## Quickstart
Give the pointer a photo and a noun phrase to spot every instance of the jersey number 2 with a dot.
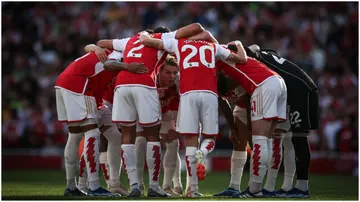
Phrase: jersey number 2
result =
(132, 52)
(194, 51)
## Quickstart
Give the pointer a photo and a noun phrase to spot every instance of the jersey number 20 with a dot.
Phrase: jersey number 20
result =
(194, 51)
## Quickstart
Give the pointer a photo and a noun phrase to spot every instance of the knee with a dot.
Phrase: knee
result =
(127, 139)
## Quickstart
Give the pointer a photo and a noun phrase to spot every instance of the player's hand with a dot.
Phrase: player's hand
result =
(143, 35)
(161, 92)
(137, 68)
(101, 54)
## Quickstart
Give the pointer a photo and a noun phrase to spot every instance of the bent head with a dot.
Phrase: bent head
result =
(168, 72)
(161, 29)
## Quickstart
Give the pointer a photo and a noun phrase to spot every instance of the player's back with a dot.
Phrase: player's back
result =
(197, 66)
(75, 76)
(135, 51)
(290, 72)
(249, 75)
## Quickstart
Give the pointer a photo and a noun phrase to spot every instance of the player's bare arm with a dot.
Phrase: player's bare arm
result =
(147, 40)
(105, 43)
(227, 112)
(189, 30)
(113, 65)
(100, 52)
(204, 36)
(240, 56)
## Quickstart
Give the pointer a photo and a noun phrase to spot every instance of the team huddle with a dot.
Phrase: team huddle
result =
(127, 97)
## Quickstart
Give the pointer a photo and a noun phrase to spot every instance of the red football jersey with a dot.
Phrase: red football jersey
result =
(196, 60)
(171, 99)
(108, 95)
(135, 51)
(249, 75)
(83, 76)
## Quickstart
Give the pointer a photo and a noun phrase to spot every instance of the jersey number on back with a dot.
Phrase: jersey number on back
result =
(194, 51)
(132, 52)
(280, 60)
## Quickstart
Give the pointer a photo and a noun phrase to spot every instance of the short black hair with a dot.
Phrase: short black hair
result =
(161, 29)
(150, 31)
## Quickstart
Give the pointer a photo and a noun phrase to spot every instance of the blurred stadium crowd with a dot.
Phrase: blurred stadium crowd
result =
(40, 39)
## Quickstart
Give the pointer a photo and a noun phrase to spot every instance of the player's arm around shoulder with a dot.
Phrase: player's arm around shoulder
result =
(168, 44)
(204, 36)
(99, 52)
(189, 30)
(149, 41)
(114, 65)
(105, 43)
(116, 44)
(239, 57)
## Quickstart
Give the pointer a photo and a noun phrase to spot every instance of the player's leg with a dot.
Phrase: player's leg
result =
(82, 182)
(92, 144)
(188, 125)
(113, 137)
(103, 156)
(72, 159)
(82, 109)
(170, 157)
(289, 165)
(302, 159)
(169, 161)
(277, 153)
(153, 160)
(112, 142)
(301, 144)
(304, 118)
(268, 105)
(72, 144)
(260, 153)
(148, 108)
(124, 113)
(275, 160)
(140, 149)
(275, 142)
(178, 187)
(210, 129)
(239, 154)
(91, 156)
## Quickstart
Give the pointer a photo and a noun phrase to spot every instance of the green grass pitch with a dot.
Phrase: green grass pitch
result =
(49, 185)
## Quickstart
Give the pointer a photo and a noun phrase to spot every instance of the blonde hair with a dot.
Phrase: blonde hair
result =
(170, 60)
